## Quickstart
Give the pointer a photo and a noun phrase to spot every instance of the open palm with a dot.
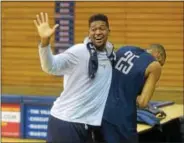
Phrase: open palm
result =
(43, 27)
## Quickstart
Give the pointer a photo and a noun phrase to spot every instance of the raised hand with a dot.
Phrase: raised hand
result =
(44, 30)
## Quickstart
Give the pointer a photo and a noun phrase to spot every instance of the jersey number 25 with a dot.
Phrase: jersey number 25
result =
(125, 64)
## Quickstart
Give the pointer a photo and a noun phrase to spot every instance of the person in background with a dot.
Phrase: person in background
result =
(87, 74)
(134, 79)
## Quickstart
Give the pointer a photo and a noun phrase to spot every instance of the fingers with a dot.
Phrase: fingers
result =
(41, 18)
(46, 17)
(35, 22)
(38, 19)
(55, 26)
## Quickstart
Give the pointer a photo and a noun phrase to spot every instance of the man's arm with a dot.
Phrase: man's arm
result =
(52, 64)
(59, 64)
(152, 74)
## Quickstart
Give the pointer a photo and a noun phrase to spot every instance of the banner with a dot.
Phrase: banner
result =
(10, 123)
(64, 16)
(36, 121)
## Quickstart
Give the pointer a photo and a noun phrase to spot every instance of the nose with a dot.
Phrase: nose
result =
(98, 31)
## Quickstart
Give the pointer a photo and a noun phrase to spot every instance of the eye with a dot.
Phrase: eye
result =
(93, 29)
(103, 28)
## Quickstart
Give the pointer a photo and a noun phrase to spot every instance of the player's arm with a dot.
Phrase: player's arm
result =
(52, 64)
(152, 73)
(59, 64)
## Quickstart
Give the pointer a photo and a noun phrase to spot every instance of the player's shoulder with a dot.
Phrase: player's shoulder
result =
(154, 67)
(77, 48)
(78, 51)
(154, 70)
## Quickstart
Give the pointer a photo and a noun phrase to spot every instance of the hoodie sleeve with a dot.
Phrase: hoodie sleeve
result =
(59, 64)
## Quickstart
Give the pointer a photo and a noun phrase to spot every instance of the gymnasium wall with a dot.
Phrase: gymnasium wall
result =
(21, 71)
(131, 23)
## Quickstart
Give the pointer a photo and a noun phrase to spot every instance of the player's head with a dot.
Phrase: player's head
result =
(99, 30)
(158, 51)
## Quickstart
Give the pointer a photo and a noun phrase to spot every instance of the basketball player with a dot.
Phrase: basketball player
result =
(87, 74)
(135, 75)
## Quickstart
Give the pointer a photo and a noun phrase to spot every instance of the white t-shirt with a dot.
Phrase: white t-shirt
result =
(83, 99)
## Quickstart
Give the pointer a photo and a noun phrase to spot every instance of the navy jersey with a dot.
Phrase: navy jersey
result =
(127, 82)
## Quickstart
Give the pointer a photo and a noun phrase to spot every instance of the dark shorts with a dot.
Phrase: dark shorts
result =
(112, 134)
(60, 131)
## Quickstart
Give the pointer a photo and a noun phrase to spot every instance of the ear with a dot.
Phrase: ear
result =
(155, 53)
(158, 55)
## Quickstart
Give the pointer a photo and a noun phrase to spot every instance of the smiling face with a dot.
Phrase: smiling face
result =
(98, 33)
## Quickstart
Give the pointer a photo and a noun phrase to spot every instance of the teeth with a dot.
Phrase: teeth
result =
(98, 38)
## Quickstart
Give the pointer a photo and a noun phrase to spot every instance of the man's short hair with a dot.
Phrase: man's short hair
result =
(99, 17)
(160, 48)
